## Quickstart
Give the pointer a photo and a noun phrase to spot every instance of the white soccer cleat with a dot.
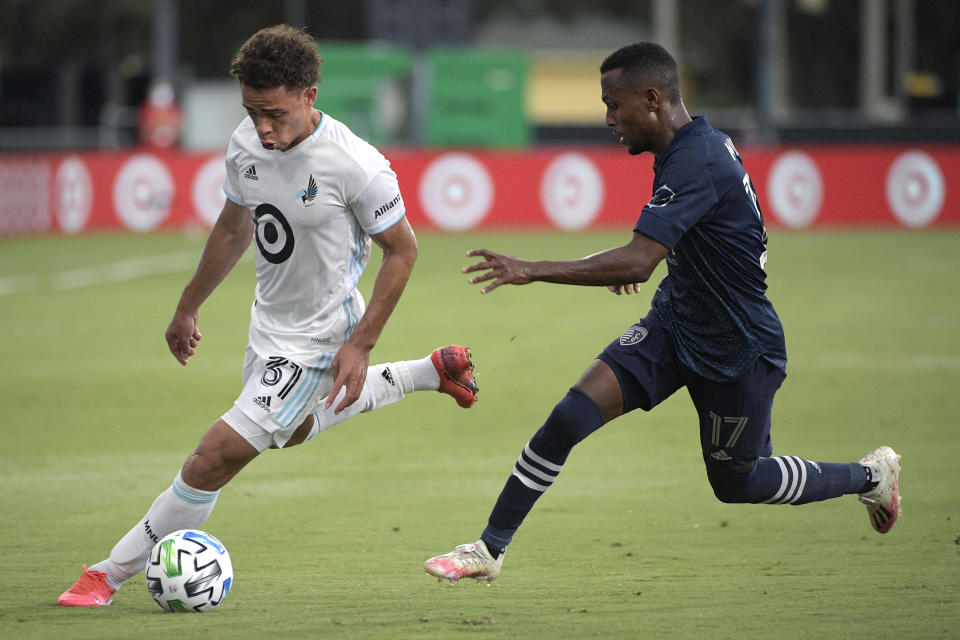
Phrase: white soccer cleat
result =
(466, 561)
(883, 501)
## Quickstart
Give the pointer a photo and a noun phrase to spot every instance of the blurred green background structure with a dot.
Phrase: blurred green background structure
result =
(73, 72)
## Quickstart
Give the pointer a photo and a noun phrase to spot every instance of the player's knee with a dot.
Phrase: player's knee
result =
(221, 453)
(572, 419)
(732, 485)
(727, 491)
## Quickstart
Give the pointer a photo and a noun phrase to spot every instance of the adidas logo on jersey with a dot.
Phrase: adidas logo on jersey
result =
(251, 173)
(263, 402)
(388, 377)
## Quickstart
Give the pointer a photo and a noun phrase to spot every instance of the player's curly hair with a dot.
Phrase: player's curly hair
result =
(646, 63)
(278, 56)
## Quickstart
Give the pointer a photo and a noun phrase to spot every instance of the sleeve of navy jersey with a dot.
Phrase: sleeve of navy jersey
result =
(682, 194)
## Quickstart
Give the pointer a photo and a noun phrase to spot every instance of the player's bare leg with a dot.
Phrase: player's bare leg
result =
(221, 454)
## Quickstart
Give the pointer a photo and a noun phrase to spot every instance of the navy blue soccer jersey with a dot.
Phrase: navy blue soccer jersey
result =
(713, 299)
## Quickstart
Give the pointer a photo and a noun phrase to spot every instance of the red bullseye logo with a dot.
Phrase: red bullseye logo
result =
(571, 191)
(456, 191)
(207, 190)
(795, 189)
(143, 192)
(72, 195)
(915, 189)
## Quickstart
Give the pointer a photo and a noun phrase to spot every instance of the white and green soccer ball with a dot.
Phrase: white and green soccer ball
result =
(189, 571)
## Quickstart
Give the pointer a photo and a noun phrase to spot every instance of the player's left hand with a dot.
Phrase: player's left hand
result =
(626, 288)
(349, 368)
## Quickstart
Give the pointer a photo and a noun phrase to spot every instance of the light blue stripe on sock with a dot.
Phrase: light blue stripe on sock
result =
(191, 495)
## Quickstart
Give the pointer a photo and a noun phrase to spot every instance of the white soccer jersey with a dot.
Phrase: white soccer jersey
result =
(314, 208)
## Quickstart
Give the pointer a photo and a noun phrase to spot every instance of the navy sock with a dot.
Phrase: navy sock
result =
(573, 419)
(789, 480)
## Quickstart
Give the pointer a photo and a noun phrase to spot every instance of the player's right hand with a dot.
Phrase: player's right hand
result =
(500, 268)
(183, 335)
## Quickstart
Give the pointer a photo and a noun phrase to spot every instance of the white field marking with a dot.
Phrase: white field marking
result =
(120, 271)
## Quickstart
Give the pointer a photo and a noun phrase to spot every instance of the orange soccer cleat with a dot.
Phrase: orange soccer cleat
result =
(455, 367)
(90, 590)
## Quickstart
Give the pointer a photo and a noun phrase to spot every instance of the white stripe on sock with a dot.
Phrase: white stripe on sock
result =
(528, 468)
(541, 461)
(787, 460)
(536, 486)
(783, 482)
(803, 479)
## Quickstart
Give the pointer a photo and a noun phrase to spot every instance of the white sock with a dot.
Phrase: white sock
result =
(423, 374)
(385, 384)
(179, 507)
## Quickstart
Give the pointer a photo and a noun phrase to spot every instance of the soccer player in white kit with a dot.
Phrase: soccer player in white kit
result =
(313, 196)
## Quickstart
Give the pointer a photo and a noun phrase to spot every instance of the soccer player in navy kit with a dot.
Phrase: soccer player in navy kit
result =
(711, 328)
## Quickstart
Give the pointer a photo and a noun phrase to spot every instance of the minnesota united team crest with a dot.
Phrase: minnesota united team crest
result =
(307, 195)
(633, 335)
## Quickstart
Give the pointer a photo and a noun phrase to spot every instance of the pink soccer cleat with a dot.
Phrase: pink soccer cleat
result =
(466, 561)
(455, 367)
(90, 590)
(883, 501)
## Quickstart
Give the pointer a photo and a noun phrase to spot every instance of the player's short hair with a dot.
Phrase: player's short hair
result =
(278, 56)
(646, 63)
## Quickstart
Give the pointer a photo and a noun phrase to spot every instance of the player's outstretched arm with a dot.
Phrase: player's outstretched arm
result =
(229, 238)
(349, 366)
(617, 268)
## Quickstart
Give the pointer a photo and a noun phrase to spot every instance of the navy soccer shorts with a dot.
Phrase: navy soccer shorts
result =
(734, 416)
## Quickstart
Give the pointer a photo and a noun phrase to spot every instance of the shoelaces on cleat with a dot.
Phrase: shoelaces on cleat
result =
(88, 581)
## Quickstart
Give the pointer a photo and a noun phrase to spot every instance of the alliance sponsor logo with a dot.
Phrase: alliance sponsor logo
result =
(390, 205)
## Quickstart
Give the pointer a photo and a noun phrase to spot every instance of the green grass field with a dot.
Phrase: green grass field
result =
(327, 539)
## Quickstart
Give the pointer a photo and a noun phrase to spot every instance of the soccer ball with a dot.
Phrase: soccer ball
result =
(189, 571)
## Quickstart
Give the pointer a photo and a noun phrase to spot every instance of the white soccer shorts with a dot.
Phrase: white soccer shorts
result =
(278, 394)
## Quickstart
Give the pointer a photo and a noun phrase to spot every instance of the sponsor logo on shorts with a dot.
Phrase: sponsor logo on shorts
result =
(634, 335)
(720, 455)
(263, 402)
